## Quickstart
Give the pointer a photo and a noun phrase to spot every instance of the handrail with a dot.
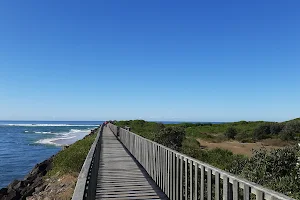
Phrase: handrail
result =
(183, 177)
(87, 179)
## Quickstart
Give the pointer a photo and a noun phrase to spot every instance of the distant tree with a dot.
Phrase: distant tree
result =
(171, 137)
(138, 122)
(186, 125)
(231, 132)
(198, 124)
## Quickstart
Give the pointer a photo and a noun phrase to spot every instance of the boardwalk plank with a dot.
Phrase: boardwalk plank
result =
(120, 176)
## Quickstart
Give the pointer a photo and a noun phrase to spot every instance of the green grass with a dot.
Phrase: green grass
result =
(70, 160)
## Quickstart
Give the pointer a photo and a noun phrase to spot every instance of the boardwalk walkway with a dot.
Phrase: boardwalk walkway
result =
(120, 176)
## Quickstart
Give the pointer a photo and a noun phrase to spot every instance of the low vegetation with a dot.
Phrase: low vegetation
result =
(230, 133)
(70, 160)
(276, 169)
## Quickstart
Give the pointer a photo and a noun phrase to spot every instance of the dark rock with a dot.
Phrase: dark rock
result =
(12, 195)
(27, 191)
(3, 191)
(39, 189)
(20, 185)
(39, 170)
(32, 182)
(12, 184)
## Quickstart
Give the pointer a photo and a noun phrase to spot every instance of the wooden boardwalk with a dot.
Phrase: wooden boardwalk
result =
(120, 176)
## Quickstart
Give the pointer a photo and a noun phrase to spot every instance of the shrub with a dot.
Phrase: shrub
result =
(243, 137)
(290, 130)
(262, 131)
(223, 159)
(276, 128)
(231, 132)
(277, 169)
(191, 147)
(159, 126)
(171, 137)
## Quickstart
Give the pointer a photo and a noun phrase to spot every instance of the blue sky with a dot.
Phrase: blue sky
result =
(156, 60)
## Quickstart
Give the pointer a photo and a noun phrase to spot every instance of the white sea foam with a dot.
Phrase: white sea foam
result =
(53, 141)
(37, 125)
(26, 131)
(78, 130)
(44, 132)
(64, 138)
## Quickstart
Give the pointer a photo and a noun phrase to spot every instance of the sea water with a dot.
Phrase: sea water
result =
(23, 144)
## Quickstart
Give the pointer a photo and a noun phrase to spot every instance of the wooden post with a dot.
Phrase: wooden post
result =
(118, 131)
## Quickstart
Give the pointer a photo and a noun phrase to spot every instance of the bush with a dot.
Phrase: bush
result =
(290, 130)
(263, 131)
(191, 147)
(231, 132)
(277, 169)
(171, 137)
(223, 159)
(243, 137)
(276, 128)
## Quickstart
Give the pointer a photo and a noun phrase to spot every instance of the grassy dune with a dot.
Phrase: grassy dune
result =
(70, 160)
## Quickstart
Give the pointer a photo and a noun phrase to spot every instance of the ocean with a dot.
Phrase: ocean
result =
(23, 144)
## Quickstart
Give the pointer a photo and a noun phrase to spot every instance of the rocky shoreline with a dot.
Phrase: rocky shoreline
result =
(33, 183)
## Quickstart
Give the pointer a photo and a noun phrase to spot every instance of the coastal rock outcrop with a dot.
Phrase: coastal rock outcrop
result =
(20, 189)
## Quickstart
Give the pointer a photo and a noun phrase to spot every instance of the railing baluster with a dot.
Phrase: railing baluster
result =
(196, 182)
(217, 185)
(246, 192)
(171, 175)
(181, 177)
(166, 171)
(186, 179)
(174, 176)
(202, 182)
(225, 187)
(259, 195)
(191, 180)
(158, 166)
(209, 182)
(235, 189)
(177, 177)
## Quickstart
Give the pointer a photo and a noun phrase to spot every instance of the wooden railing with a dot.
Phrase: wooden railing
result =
(87, 179)
(182, 177)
